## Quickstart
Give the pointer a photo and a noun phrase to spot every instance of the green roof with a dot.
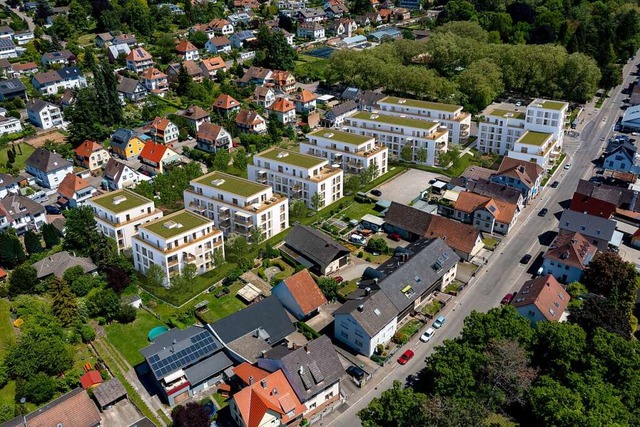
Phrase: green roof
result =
(340, 136)
(291, 158)
(231, 184)
(508, 114)
(534, 138)
(551, 105)
(187, 219)
(450, 108)
(396, 120)
(128, 200)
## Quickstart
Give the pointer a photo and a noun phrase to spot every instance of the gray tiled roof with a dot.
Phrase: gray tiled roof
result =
(341, 109)
(11, 86)
(109, 391)
(127, 85)
(207, 368)
(494, 190)
(60, 262)
(594, 226)
(376, 313)
(18, 206)
(47, 161)
(315, 245)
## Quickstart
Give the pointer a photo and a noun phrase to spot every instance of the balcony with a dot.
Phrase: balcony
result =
(247, 222)
(188, 258)
(223, 215)
(172, 261)
(261, 177)
(194, 206)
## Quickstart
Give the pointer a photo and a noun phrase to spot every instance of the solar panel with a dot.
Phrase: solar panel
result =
(200, 346)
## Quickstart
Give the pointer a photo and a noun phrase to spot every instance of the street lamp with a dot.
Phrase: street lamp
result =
(23, 400)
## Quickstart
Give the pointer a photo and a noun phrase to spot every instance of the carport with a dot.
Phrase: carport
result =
(109, 393)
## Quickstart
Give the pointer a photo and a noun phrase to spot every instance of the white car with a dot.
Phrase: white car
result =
(567, 166)
(426, 336)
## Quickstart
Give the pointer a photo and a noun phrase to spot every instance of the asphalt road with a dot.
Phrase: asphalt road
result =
(503, 273)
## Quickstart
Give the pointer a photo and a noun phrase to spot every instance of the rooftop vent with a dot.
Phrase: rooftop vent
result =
(361, 307)
(328, 135)
(377, 312)
(263, 383)
(119, 199)
(282, 154)
(374, 116)
(402, 101)
(171, 225)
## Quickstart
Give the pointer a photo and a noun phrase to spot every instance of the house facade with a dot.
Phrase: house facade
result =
(285, 111)
(74, 191)
(155, 157)
(542, 299)
(91, 155)
(249, 121)
(568, 257)
(126, 145)
(164, 131)
(522, 175)
(300, 295)
(155, 81)
(485, 213)
(43, 114)
(48, 168)
(211, 138)
(21, 214)
(139, 60)
(117, 175)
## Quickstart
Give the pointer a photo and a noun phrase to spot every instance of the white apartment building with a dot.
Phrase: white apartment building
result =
(44, 115)
(9, 125)
(120, 213)
(354, 153)
(426, 139)
(457, 121)
(175, 241)
(238, 205)
(299, 176)
(533, 135)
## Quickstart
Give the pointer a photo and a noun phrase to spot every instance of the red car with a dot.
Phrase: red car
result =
(406, 356)
(339, 279)
(394, 236)
(507, 299)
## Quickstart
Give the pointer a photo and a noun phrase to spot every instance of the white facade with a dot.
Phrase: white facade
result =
(238, 205)
(7, 49)
(426, 139)
(23, 37)
(9, 125)
(355, 153)
(348, 330)
(119, 214)
(175, 241)
(47, 117)
(298, 176)
(51, 179)
(323, 397)
(457, 122)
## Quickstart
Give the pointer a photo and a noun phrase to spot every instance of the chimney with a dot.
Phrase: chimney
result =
(306, 348)
(250, 379)
(301, 370)
(375, 281)
(263, 383)
(263, 353)
(274, 391)
(361, 307)
(367, 291)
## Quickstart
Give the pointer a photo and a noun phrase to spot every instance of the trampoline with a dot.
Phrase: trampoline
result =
(156, 332)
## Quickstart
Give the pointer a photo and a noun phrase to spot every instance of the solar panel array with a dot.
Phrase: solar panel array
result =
(202, 344)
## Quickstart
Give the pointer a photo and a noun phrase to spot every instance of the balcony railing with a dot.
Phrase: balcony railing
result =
(187, 257)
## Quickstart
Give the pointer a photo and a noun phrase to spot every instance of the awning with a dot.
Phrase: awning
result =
(616, 239)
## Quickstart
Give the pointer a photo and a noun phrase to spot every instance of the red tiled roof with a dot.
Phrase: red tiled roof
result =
(219, 23)
(546, 294)
(246, 370)
(592, 206)
(138, 54)
(526, 172)
(571, 249)
(24, 67)
(71, 184)
(225, 102)
(153, 151)
(214, 63)
(282, 105)
(460, 237)
(74, 409)
(208, 131)
(305, 291)
(185, 46)
(305, 96)
(152, 74)
(90, 379)
(469, 202)
(3, 274)
(160, 123)
(248, 117)
(87, 148)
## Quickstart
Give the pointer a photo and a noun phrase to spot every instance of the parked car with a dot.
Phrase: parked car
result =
(426, 336)
(567, 166)
(405, 357)
(52, 210)
(439, 322)
(543, 212)
(356, 372)
(339, 279)
(394, 236)
(525, 259)
(507, 299)
(376, 193)
(555, 184)
(357, 239)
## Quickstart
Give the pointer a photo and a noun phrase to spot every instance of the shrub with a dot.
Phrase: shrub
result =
(127, 313)
(87, 333)
(400, 338)
(360, 254)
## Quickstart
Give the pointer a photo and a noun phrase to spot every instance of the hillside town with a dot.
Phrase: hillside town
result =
(298, 213)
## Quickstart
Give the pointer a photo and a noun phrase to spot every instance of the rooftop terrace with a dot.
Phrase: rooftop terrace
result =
(396, 120)
(341, 136)
(450, 108)
(292, 158)
(177, 223)
(120, 201)
(534, 138)
(230, 184)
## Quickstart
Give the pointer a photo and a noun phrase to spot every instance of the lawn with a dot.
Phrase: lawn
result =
(489, 242)
(221, 401)
(224, 306)
(357, 210)
(8, 393)
(7, 336)
(26, 150)
(311, 68)
(432, 308)
(130, 338)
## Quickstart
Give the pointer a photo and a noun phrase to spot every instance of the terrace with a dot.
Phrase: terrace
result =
(231, 184)
(534, 138)
(172, 225)
(120, 201)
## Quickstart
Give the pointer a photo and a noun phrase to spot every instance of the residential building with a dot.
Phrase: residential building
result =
(52, 82)
(119, 214)
(193, 70)
(242, 39)
(305, 101)
(220, 44)
(271, 402)
(187, 51)
(211, 138)
(623, 158)
(300, 295)
(185, 362)
(284, 110)
(311, 15)
(314, 372)
(283, 81)
(311, 31)
(420, 141)
(9, 184)
(74, 191)
(139, 60)
(226, 104)
(335, 9)
(9, 125)
(249, 121)
(299, 176)
(48, 168)
(126, 145)
(155, 81)
(163, 131)
(601, 232)
(131, 90)
(605, 201)
(117, 175)
(7, 49)
(238, 205)
(117, 51)
(523, 175)
(12, 88)
(264, 96)
(495, 191)
(58, 263)
(355, 153)
(74, 408)
(484, 213)
(255, 329)
(28, 68)
(457, 121)
(533, 135)
(412, 224)
(240, 18)
(287, 35)
(411, 4)
(21, 214)
(310, 247)
(568, 257)
(61, 58)
(155, 157)
(221, 27)
(211, 66)
(176, 240)
(631, 119)
(343, 27)
(336, 116)
(129, 39)
(43, 114)
(196, 116)
(91, 155)
(23, 37)
(103, 39)
(6, 32)
(541, 299)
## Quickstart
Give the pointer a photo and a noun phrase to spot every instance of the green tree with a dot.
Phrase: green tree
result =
(406, 153)
(352, 184)
(317, 201)
(397, 406)
(39, 350)
(81, 232)
(38, 389)
(221, 160)
(11, 252)
(23, 280)
(190, 415)
(481, 82)
(240, 160)
(155, 276)
(50, 236)
(329, 287)
(297, 209)
(32, 242)
(104, 303)
(127, 313)
(184, 81)
(377, 244)
(63, 304)
(199, 38)
(609, 275)
(360, 7)
(277, 53)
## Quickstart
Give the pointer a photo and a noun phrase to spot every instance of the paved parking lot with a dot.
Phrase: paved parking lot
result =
(407, 186)
(122, 413)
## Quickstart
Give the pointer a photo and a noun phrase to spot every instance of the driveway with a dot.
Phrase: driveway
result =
(354, 270)
(123, 413)
(407, 186)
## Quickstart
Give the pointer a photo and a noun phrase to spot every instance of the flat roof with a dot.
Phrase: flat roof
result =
(421, 104)
(551, 105)
(534, 138)
(124, 200)
(291, 158)
(187, 219)
(508, 114)
(341, 136)
(396, 120)
(231, 184)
